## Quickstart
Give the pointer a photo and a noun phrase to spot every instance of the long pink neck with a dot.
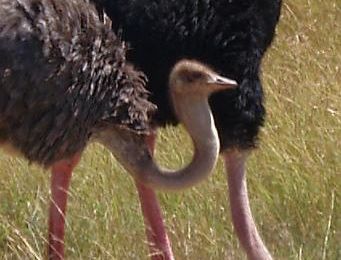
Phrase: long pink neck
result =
(240, 207)
(132, 152)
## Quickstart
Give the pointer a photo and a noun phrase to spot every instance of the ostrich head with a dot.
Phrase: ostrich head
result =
(194, 78)
(190, 84)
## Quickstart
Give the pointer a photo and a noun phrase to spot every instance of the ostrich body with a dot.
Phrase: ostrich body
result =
(231, 37)
(59, 85)
(63, 78)
(64, 81)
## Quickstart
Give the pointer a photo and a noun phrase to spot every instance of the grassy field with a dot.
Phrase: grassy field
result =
(294, 178)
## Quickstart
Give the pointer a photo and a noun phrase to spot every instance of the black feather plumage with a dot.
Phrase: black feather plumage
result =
(63, 76)
(229, 35)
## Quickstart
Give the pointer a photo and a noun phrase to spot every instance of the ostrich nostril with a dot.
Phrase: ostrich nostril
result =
(219, 80)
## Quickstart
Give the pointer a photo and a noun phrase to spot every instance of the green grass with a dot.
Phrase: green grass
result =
(294, 178)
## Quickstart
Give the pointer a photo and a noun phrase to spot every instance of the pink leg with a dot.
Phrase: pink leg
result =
(240, 207)
(159, 244)
(60, 180)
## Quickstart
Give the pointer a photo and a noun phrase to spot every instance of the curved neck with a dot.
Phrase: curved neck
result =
(132, 151)
(196, 116)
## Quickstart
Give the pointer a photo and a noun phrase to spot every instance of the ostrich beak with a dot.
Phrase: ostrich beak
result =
(222, 82)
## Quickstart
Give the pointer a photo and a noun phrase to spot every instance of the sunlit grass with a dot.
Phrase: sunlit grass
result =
(294, 177)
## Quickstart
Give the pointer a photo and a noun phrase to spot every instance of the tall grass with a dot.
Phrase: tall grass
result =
(294, 178)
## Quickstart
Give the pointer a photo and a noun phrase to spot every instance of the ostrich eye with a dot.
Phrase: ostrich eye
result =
(192, 76)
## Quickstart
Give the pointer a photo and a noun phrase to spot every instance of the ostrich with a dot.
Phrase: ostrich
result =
(232, 37)
(63, 78)
(65, 81)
